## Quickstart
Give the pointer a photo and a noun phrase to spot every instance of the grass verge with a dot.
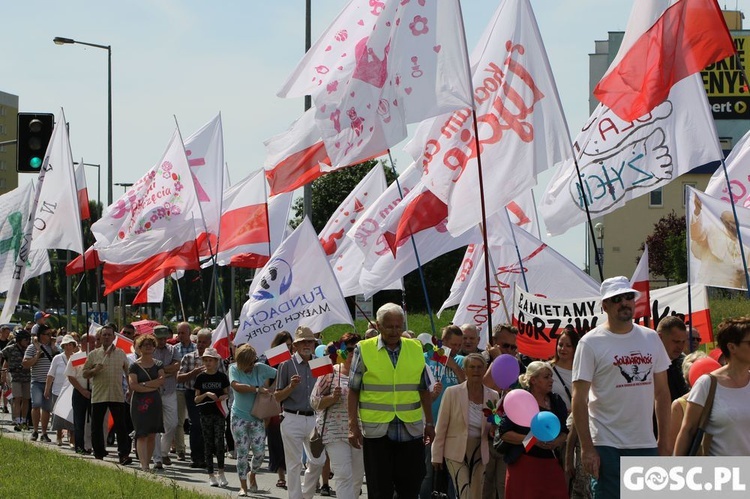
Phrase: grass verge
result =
(29, 470)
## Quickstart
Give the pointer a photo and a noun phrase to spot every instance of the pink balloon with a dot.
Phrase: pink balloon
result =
(700, 367)
(520, 406)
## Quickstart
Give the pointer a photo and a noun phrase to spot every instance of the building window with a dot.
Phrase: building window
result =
(2, 182)
(2, 129)
(685, 191)
(3, 166)
(2, 110)
(655, 199)
(2, 148)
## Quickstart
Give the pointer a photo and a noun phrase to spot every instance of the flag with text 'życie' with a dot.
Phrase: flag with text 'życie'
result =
(521, 125)
(162, 198)
(715, 257)
(14, 211)
(220, 336)
(738, 171)
(522, 213)
(77, 265)
(83, 191)
(622, 160)
(665, 41)
(278, 354)
(205, 155)
(57, 220)
(379, 66)
(641, 282)
(295, 288)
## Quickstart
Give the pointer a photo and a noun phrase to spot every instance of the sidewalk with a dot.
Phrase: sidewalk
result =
(179, 471)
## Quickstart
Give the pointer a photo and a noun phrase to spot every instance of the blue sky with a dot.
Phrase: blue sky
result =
(193, 59)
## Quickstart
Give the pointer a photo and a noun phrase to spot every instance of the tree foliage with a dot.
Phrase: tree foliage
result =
(667, 254)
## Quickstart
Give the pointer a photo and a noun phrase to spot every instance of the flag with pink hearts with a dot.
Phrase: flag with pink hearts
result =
(379, 66)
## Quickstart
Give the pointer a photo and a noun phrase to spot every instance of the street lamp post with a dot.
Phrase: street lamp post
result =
(69, 41)
(599, 228)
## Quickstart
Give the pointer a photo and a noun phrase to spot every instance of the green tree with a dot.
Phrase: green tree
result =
(667, 256)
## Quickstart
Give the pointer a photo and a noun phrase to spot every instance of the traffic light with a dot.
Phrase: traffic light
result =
(34, 133)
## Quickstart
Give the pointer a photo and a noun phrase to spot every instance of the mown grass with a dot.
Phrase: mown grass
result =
(29, 470)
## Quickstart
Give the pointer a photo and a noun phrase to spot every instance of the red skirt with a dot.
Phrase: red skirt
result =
(535, 478)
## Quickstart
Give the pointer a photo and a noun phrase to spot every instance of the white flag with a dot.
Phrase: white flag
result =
(296, 287)
(205, 155)
(548, 274)
(14, 211)
(738, 171)
(57, 220)
(621, 160)
(346, 260)
(164, 195)
(715, 256)
(521, 212)
(378, 67)
(521, 125)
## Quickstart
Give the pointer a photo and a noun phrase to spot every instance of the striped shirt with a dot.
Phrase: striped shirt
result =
(40, 370)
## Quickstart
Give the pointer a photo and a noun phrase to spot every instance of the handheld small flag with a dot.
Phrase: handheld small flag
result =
(278, 354)
(321, 366)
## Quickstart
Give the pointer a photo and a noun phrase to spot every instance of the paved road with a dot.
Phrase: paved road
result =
(179, 471)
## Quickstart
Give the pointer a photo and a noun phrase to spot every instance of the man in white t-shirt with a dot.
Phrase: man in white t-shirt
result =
(619, 372)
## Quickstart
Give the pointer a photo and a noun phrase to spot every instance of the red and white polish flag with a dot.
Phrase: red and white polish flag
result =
(83, 192)
(78, 358)
(321, 366)
(664, 42)
(278, 354)
(123, 343)
(529, 441)
(640, 282)
(220, 336)
(223, 407)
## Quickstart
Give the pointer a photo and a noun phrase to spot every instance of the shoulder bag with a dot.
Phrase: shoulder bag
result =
(702, 440)
(265, 405)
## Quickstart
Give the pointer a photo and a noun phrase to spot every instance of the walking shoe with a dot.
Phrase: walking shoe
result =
(180, 456)
(212, 481)
(166, 460)
(5, 410)
(34, 436)
(223, 482)
(17, 427)
(126, 460)
(158, 466)
(24, 426)
(44, 438)
(197, 465)
(325, 490)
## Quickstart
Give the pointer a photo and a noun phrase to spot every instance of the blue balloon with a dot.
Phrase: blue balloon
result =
(320, 350)
(545, 426)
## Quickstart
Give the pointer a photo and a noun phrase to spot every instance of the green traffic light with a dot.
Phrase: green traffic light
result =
(35, 162)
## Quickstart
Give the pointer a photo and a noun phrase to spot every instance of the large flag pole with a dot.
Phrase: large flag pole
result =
(480, 178)
(416, 254)
(518, 252)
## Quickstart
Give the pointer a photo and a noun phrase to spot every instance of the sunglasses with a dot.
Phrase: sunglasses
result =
(509, 346)
(619, 298)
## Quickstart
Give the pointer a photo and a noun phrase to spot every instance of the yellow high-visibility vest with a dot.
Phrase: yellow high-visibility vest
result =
(386, 391)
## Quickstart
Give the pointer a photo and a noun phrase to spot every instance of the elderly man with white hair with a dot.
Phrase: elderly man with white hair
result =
(388, 389)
